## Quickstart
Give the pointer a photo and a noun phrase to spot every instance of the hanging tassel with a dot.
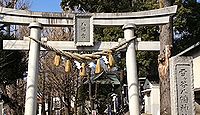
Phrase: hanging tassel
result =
(57, 60)
(82, 72)
(98, 68)
(68, 66)
(111, 60)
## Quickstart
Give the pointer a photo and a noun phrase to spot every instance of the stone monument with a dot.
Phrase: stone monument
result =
(182, 86)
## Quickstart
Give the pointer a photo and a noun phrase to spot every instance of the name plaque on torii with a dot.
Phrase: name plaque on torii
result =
(83, 30)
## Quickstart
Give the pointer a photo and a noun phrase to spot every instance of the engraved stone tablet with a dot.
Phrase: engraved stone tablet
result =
(83, 30)
(181, 86)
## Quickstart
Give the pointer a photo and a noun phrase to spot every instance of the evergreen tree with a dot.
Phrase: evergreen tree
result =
(13, 63)
(186, 25)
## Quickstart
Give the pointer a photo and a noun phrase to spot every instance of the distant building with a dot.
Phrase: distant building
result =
(151, 92)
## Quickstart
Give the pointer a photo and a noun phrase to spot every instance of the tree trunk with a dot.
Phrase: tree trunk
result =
(166, 38)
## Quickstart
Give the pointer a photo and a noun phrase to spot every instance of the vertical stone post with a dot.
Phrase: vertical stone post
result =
(40, 109)
(31, 91)
(131, 65)
(1, 107)
(182, 86)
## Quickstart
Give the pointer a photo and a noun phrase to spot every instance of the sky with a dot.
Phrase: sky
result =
(46, 5)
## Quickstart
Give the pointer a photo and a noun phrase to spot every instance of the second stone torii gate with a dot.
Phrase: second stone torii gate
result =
(146, 18)
(31, 93)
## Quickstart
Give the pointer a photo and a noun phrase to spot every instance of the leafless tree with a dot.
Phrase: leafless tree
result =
(53, 81)
(14, 93)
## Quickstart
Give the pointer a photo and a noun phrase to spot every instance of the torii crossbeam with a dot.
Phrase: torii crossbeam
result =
(151, 17)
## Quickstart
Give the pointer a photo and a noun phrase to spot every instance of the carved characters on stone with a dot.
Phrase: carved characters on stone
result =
(184, 89)
(83, 30)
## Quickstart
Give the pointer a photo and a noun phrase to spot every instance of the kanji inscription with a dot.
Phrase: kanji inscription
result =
(84, 30)
(184, 89)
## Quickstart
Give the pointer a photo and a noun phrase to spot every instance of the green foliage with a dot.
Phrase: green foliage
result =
(147, 61)
(147, 64)
(108, 34)
(12, 63)
(186, 25)
(99, 5)
(109, 6)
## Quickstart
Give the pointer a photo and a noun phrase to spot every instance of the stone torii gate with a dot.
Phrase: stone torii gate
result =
(83, 24)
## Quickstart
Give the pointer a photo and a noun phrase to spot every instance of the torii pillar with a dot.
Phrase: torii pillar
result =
(131, 65)
(33, 69)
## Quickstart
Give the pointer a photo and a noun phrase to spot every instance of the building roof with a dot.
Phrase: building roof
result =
(191, 50)
(148, 84)
(107, 78)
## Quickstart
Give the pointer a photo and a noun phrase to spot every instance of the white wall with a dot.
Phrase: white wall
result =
(152, 100)
(196, 71)
(155, 100)
(147, 100)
